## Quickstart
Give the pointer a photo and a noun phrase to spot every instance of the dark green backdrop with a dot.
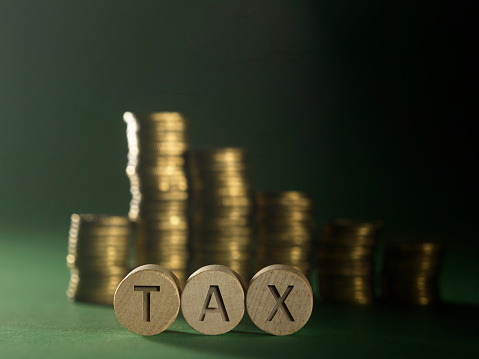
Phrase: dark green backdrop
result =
(362, 103)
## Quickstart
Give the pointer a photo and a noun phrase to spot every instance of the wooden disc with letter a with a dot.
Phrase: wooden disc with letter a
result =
(147, 300)
(213, 300)
(279, 299)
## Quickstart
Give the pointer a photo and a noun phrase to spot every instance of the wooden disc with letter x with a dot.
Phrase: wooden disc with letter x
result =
(279, 299)
(213, 300)
(147, 300)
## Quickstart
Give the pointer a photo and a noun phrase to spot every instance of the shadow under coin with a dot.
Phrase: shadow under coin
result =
(336, 330)
(245, 340)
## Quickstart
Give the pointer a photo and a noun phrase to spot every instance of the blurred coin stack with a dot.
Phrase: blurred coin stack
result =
(98, 256)
(156, 168)
(285, 229)
(223, 205)
(346, 260)
(411, 272)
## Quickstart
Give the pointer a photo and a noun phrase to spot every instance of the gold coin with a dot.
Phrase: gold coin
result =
(100, 220)
(223, 155)
(284, 199)
(350, 228)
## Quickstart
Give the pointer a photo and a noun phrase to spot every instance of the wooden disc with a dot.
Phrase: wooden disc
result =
(279, 299)
(213, 300)
(147, 300)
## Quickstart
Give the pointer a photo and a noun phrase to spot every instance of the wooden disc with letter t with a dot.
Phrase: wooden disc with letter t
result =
(213, 300)
(147, 300)
(279, 299)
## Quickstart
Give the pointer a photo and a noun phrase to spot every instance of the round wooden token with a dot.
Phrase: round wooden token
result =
(147, 300)
(213, 300)
(279, 299)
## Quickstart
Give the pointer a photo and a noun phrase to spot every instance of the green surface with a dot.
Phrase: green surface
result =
(36, 320)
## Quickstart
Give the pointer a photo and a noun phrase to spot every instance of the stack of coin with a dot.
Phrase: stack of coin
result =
(156, 167)
(132, 164)
(346, 259)
(285, 229)
(98, 256)
(223, 205)
(411, 272)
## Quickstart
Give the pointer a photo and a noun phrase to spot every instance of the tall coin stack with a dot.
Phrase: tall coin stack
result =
(98, 256)
(223, 205)
(411, 272)
(346, 259)
(156, 168)
(285, 229)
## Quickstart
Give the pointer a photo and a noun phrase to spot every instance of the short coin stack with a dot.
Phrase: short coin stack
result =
(98, 256)
(223, 205)
(285, 229)
(346, 259)
(156, 167)
(411, 272)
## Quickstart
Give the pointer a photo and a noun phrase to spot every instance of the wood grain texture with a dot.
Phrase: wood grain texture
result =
(279, 299)
(147, 300)
(213, 300)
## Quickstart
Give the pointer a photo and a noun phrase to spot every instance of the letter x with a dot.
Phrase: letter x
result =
(280, 304)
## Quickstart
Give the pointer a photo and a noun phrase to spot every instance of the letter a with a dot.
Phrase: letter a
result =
(214, 290)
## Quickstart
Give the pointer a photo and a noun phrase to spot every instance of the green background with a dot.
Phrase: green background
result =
(365, 104)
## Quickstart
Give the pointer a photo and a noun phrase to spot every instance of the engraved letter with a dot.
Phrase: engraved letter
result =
(214, 291)
(146, 289)
(280, 304)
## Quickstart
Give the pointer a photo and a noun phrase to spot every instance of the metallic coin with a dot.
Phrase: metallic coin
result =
(355, 299)
(304, 268)
(350, 228)
(297, 231)
(158, 118)
(206, 222)
(152, 134)
(283, 214)
(99, 231)
(223, 247)
(413, 249)
(284, 200)
(285, 226)
(98, 256)
(220, 202)
(162, 148)
(350, 240)
(92, 219)
(411, 272)
(99, 241)
(176, 194)
(162, 162)
(220, 180)
(165, 207)
(215, 257)
(345, 271)
(289, 253)
(426, 266)
(341, 257)
(280, 225)
(221, 239)
(172, 223)
(172, 261)
(225, 155)
(93, 270)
